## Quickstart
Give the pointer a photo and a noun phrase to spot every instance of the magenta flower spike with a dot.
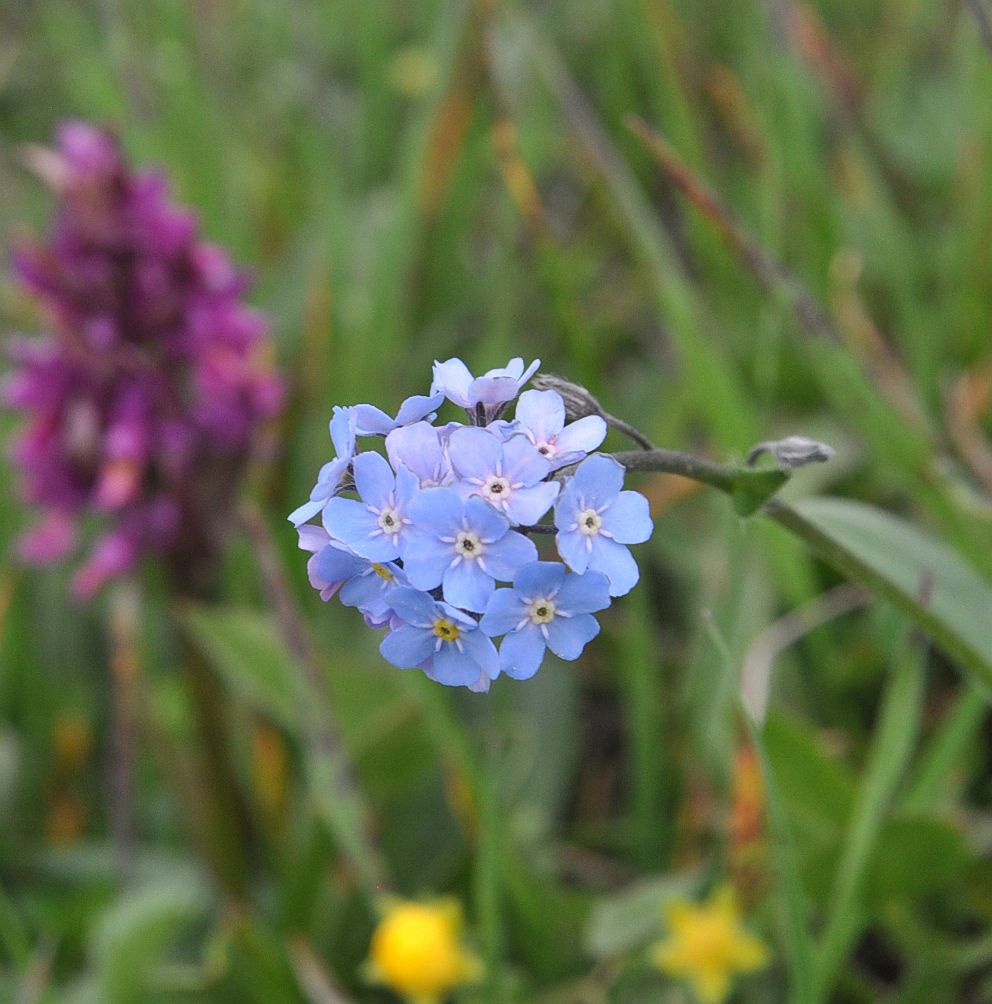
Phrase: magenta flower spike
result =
(144, 397)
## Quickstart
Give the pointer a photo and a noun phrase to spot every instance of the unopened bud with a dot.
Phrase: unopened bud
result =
(793, 452)
(579, 402)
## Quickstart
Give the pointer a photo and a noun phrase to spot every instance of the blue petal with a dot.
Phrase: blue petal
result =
(454, 668)
(541, 578)
(504, 612)
(521, 653)
(616, 563)
(407, 646)
(452, 378)
(417, 447)
(583, 436)
(508, 555)
(474, 453)
(425, 558)
(336, 565)
(542, 412)
(522, 463)
(437, 511)
(574, 549)
(584, 594)
(348, 520)
(372, 421)
(413, 606)
(374, 478)
(312, 538)
(306, 511)
(598, 480)
(485, 520)
(467, 586)
(527, 505)
(343, 432)
(415, 408)
(365, 591)
(492, 390)
(481, 651)
(628, 518)
(567, 636)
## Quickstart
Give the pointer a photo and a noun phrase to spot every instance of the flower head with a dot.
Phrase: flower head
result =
(707, 945)
(547, 607)
(595, 519)
(417, 951)
(152, 373)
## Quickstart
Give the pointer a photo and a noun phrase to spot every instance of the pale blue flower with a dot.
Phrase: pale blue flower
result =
(462, 546)
(420, 448)
(373, 528)
(541, 417)
(546, 608)
(482, 397)
(362, 583)
(440, 639)
(508, 475)
(595, 519)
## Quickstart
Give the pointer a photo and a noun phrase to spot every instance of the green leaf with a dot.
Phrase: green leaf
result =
(134, 934)
(753, 488)
(900, 562)
(631, 918)
(247, 650)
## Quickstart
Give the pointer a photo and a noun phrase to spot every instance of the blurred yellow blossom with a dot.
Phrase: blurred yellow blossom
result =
(707, 945)
(417, 951)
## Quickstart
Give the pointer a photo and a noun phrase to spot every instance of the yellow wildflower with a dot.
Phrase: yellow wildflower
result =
(417, 951)
(707, 945)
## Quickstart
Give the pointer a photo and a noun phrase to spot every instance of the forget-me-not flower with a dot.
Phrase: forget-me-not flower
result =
(373, 528)
(331, 474)
(595, 519)
(508, 475)
(541, 417)
(461, 545)
(547, 607)
(440, 639)
(482, 397)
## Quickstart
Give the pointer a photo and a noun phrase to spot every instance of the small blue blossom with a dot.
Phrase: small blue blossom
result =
(373, 421)
(373, 528)
(419, 448)
(546, 608)
(482, 397)
(331, 474)
(363, 584)
(509, 476)
(462, 546)
(440, 639)
(541, 417)
(595, 519)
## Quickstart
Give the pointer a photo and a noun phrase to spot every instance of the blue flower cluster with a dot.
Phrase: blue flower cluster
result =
(418, 539)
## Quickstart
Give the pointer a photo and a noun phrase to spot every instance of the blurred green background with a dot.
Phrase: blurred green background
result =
(411, 181)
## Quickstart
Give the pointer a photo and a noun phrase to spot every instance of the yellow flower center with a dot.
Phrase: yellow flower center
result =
(383, 571)
(445, 629)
